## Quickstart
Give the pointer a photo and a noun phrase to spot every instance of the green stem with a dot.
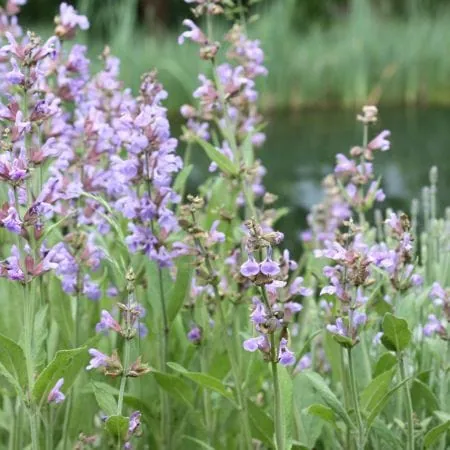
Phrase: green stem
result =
(206, 397)
(279, 434)
(409, 408)
(76, 339)
(242, 401)
(344, 383)
(29, 326)
(355, 399)
(126, 353)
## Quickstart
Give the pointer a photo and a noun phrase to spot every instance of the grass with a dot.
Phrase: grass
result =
(361, 57)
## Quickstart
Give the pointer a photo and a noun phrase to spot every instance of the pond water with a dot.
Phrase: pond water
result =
(300, 150)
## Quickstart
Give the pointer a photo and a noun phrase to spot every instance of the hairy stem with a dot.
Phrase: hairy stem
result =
(409, 408)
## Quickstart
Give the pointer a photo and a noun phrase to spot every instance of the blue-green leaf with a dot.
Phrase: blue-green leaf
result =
(376, 390)
(323, 412)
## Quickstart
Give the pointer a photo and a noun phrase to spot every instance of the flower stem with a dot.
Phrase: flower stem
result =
(355, 399)
(409, 408)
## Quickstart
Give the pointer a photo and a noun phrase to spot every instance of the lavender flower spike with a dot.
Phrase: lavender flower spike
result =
(55, 395)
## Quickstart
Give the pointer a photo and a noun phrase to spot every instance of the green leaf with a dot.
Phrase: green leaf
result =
(396, 334)
(384, 433)
(385, 362)
(117, 426)
(204, 380)
(224, 163)
(176, 387)
(345, 341)
(13, 362)
(181, 179)
(382, 403)
(323, 412)
(421, 391)
(435, 433)
(200, 444)
(181, 288)
(105, 399)
(286, 404)
(66, 364)
(261, 424)
(318, 383)
(376, 390)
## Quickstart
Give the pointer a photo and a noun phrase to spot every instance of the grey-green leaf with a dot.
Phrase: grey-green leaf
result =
(105, 399)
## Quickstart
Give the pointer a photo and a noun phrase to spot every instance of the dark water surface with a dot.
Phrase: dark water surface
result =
(300, 150)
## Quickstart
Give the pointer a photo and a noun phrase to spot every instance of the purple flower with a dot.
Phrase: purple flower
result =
(286, 357)
(377, 338)
(270, 268)
(250, 268)
(258, 314)
(70, 19)
(55, 395)
(297, 287)
(98, 359)
(438, 294)
(107, 322)
(304, 363)
(12, 222)
(433, 326)
(380, 142)
(214, 235)
(257, 343)
(194, 34)
(135, 422)
(338, 328)
(195, 335)
(358, 319)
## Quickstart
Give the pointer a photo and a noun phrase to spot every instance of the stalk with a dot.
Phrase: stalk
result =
(279, 435)
(345, 389)
(206, 398)
(242, 402)
(165, 404)
(355, 399)
(68, 411)
(409, 408)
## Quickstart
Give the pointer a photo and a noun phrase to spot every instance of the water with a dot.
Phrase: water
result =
(300, 150)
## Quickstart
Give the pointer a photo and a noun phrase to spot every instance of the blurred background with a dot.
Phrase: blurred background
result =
(326, 58)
